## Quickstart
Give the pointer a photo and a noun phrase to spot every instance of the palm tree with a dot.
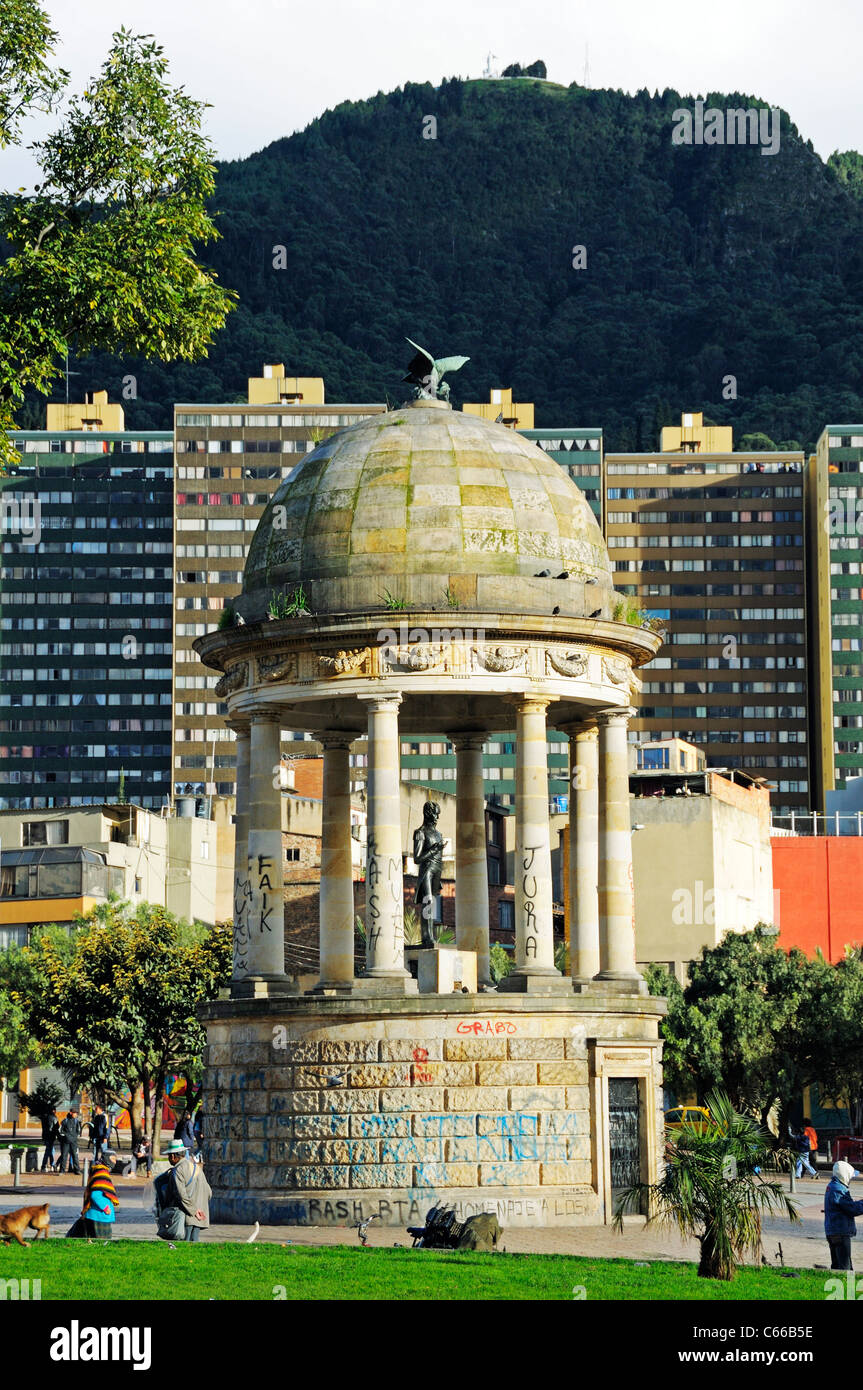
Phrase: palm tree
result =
(712, 1188)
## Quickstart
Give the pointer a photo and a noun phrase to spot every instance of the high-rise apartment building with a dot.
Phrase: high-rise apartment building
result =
(85, 612)
(713, 543)
(230, 461)
(836, 602)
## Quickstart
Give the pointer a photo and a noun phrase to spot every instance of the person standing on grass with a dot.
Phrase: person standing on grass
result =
(192, 1191)
(840, 1210)
(50, 1135)
(70, 1133)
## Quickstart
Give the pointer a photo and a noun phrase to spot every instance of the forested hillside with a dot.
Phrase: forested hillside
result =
(703, 262)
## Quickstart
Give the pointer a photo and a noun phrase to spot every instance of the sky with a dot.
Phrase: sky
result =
(268, 67)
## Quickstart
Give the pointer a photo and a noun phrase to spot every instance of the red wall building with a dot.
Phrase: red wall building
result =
(820, 885)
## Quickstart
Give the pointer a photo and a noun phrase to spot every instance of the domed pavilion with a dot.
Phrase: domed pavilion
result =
(430, 573)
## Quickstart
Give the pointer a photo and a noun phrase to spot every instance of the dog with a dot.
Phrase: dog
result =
(15, 1223)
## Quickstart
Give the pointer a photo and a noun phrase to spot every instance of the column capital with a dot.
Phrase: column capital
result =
(529, 703)
(468, 741)
(264, 714)
(609, 717)
(332, 738)
(238, 726)
(581, 732)
(378, 702)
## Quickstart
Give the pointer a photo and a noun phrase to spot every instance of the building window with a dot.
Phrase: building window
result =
(292, 855)
(44, 832)
(506, 915)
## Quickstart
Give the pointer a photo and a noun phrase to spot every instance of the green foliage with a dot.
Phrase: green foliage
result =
(741, 1023)
(710, 1189)
(28, 82)
(226, 618)
(698, 258)
(501, 962)
(292, 605)
(396, 605)
(103, 254)
(760, 443)
(452, 599)
(832, 1029)
(120, 1009)
(41, 1102)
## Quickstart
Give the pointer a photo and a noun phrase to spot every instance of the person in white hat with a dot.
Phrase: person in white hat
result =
(840, 1209)
(192, 1191)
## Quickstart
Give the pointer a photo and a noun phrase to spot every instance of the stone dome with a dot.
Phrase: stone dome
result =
(425, 493)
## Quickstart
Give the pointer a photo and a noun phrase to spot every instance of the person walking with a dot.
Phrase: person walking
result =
(70, 1133)
(99, 1132)
(100, 1201)
(191, 1192)
(840, 1210)
(50, 1136)
(800, 1143)
(809, 1131)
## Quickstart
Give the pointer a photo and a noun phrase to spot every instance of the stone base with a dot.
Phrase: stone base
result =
(264, 987)
(617, 984)
(513, 1206)
(452, 1098)
(518, 983)
(385, 986)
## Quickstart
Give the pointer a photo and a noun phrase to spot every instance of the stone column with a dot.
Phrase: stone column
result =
(337, 886)
(583, 852)
(471, 853)
(616, 900)
(241, 864)
(266, 890)
(384, 916)
(534, 931)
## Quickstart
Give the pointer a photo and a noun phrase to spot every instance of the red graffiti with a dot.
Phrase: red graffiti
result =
(477, 1026)
(420, 1073)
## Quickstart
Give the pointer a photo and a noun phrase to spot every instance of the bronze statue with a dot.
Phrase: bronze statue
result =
(426, 373)
(428, 856)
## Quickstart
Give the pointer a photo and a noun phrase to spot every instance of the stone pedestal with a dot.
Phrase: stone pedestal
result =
(327, 1111)
(446, 967)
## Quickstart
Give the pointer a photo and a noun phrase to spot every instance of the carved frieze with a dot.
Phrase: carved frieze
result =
(277, 668)
(345, 663)
(499, 659)
(416, 658)
(573, 663)
(233, 679)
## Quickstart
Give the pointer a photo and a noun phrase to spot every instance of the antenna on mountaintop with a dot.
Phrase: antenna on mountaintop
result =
(586, 78)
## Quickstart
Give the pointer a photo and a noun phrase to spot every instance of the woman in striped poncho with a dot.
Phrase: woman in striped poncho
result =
(100, 1200)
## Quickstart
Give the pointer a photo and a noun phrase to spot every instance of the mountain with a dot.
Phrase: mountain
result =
(703, 263)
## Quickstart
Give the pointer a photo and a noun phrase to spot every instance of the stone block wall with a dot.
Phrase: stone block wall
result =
(403, 1111)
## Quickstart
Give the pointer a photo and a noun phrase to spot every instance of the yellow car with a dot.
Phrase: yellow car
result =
(682, 1115)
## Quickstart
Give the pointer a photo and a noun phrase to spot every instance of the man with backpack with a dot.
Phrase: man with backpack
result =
(182, 1196)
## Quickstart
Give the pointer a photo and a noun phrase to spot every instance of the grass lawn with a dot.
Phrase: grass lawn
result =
(127, 1269)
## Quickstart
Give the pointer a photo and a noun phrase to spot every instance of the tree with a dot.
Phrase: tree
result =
(120, 1015)
(833, 1024)
(103, 253)
(20, 980)
(41, 1102)
(738, 1023)
(712, 1188)
(27, 80)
